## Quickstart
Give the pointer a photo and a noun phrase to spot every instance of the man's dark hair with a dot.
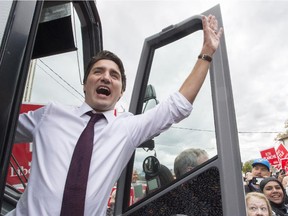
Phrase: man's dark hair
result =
(108, 56)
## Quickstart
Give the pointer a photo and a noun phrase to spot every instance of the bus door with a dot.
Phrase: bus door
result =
(45, 46)
(214, 186)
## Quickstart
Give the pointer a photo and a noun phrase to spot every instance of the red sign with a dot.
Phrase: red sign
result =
(282, 151)
(284, 164)
(270, 155)
(20, 161)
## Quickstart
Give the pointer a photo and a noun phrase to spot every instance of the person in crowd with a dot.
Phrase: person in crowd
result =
(135, 176)
(162, 178)
(189, 159)
(260, 170)
(257, 205)
(133, 198)
(285, 183)
(248, 175)
(280, 174)
(137, 192)
(55, 130)
(275, 193)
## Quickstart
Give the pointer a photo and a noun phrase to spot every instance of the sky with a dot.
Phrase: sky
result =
(256, 40)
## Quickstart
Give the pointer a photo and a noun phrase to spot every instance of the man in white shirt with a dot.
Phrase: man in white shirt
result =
(55, 129)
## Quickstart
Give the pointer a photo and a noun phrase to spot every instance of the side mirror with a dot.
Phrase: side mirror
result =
(150, 93)
(151, 166)
(150, 99)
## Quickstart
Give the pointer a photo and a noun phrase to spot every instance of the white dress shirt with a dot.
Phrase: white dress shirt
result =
(54, 131)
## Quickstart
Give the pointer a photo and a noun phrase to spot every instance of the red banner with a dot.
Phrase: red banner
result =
(270, 155)
(20, 161)
(284, 164)
(282, 152)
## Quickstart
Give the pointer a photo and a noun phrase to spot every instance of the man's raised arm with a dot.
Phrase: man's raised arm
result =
(194, 81)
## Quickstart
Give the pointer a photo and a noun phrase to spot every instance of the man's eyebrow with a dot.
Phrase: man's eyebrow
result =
(98, 67)
(103, 68)
(115, 71)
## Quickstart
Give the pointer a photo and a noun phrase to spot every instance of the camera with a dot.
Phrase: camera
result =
(257, 180)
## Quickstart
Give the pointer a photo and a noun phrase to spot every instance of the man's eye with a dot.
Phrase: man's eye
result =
(115, 75)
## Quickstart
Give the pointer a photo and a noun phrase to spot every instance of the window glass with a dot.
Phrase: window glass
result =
(171, 65)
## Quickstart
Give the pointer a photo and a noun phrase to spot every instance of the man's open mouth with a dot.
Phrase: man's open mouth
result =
(103, 90)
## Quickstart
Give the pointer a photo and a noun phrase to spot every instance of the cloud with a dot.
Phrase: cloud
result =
(255, 36)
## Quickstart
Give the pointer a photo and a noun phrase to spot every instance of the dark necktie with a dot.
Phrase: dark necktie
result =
(76, 183)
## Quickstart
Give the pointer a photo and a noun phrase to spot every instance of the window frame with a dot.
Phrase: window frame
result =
(228, 160)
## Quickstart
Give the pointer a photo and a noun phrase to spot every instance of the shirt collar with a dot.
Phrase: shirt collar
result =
(84, 108)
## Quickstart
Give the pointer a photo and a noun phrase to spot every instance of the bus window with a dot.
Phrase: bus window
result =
(197, 131)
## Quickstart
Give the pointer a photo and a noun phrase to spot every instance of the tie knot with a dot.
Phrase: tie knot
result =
(95, 116)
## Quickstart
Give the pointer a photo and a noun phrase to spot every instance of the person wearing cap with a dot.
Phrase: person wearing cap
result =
(260, 170)
(276, 194)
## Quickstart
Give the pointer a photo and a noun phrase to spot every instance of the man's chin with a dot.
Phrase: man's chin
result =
(103, 107)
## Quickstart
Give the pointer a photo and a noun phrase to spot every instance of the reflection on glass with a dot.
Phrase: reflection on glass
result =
(171, 65)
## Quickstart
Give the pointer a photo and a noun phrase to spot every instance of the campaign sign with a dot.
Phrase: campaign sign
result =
(284, 164)
(270, 155)
(282, 152)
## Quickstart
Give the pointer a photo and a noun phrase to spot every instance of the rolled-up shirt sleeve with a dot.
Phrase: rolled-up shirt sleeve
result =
(180, 107)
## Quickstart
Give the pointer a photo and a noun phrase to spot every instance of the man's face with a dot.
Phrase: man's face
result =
(260, 171)
(103, 87)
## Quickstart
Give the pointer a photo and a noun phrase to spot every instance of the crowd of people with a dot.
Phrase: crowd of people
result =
(265, 192)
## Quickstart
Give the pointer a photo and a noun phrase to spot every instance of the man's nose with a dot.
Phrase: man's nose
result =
(106, 77)
(259, 172)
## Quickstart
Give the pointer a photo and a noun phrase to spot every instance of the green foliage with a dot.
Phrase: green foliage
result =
(247, 167)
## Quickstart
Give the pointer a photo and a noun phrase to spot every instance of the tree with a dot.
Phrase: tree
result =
(247, 167)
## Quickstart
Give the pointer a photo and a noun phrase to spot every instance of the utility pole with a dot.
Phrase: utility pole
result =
(29, 82)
